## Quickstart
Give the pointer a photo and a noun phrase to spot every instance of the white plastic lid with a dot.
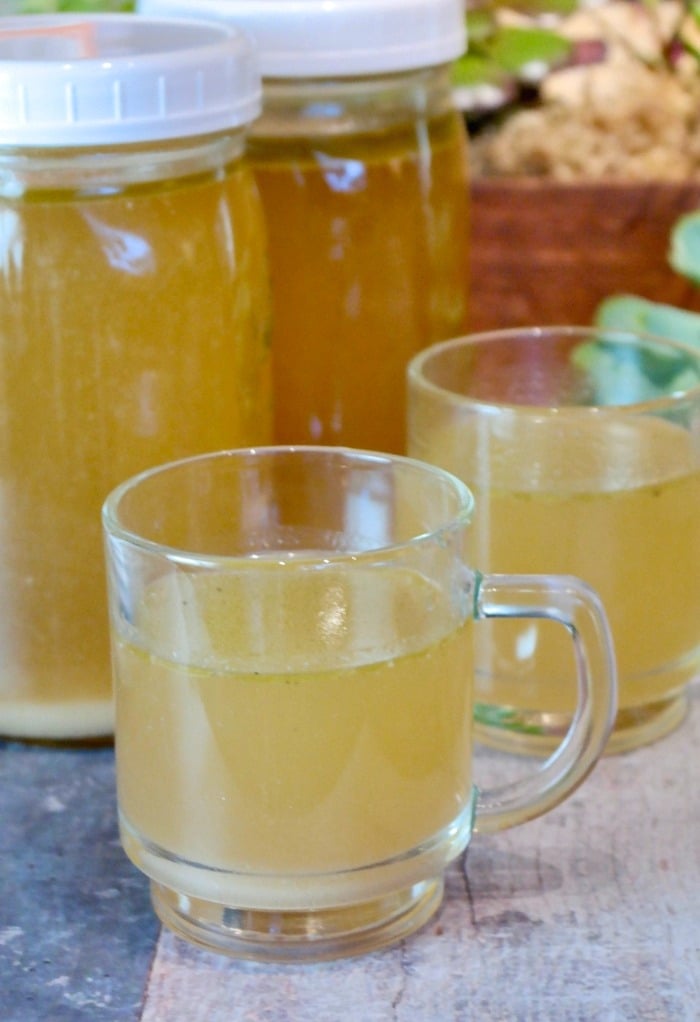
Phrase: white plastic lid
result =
(322, 38)
(110, 79)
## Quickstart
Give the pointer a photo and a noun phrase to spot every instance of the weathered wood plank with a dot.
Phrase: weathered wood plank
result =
(591, 914)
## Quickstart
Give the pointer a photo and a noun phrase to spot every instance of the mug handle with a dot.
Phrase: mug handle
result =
(574, 604)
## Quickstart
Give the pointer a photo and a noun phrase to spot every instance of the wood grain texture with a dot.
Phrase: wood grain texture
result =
(591, 914)
(548, 253)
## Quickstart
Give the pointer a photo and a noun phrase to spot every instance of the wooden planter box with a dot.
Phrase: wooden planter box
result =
(548, 253)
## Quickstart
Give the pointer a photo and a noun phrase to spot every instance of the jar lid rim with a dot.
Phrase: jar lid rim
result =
(322, 38)
(80, 80)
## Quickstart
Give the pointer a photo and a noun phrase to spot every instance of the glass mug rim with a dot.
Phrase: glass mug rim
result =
(416, 370)
(460, 518)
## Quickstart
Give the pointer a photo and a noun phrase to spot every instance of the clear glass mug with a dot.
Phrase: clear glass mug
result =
(582, 449)
(292, 648)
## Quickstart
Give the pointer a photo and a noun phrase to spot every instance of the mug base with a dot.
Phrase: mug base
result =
(298, 936)
(532, 733)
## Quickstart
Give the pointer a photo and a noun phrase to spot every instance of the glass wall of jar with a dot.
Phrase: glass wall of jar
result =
(134, 316)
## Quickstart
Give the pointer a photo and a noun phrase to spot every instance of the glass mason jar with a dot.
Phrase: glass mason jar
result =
(360, 157)
(133, 316)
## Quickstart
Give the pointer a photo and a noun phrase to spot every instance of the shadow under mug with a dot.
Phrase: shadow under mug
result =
(293, 660)
(582, 450)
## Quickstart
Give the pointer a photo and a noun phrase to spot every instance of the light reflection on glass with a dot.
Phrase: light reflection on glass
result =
(124, 250)
(332, 622)
(342, 175)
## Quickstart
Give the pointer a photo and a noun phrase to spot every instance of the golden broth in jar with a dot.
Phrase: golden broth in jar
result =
(133, 327)
(368, 258)
(361, 160)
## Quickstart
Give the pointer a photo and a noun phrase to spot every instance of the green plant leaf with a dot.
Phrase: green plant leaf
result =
(505, 719)
(50, 6)
(515, 48)
(477, 69)
(621, 374)
(537, 7)
(684, 254)
(481, 26)
(96, 5)
(629, 312)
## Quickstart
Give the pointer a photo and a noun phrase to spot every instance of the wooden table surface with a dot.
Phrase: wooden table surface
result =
(591, 914)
